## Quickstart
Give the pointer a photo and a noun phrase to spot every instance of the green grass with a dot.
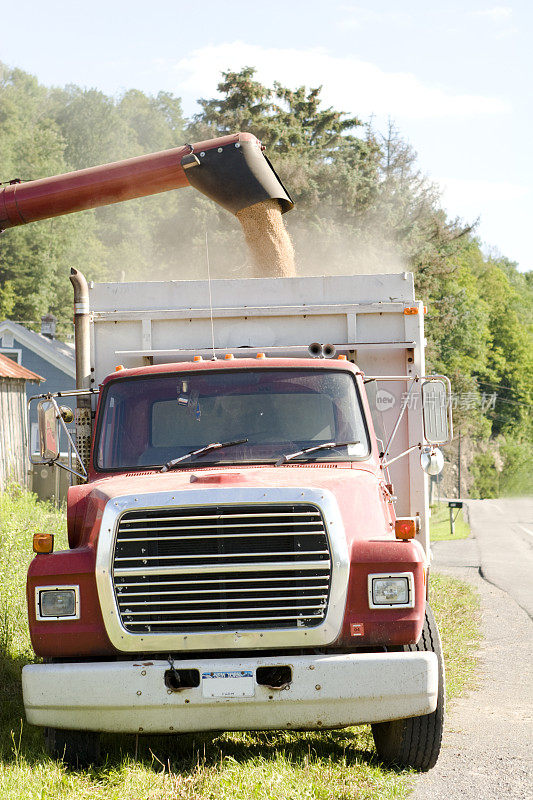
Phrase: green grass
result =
(327, 765)
(457, 609)
(439, 524)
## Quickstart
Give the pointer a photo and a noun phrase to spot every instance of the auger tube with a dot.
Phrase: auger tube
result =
(231, 170)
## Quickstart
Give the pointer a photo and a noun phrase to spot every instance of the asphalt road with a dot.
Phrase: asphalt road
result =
(488, 738)
(504, 533)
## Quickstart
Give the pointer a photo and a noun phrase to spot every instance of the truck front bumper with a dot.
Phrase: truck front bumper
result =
(326, 691)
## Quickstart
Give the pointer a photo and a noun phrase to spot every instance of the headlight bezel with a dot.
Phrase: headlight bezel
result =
(407, 576)
(40, 617)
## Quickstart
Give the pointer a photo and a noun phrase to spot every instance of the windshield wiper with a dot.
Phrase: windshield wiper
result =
(324, 446)
(206, 449)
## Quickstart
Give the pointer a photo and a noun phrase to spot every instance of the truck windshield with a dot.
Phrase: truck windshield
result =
(146, 422)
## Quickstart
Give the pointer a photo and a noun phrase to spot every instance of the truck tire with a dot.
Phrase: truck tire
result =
(75, 748)
(415, 742)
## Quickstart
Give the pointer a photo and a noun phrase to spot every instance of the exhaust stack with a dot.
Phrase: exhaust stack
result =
(83, 416)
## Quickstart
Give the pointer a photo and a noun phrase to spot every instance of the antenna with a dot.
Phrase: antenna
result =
(210, 297)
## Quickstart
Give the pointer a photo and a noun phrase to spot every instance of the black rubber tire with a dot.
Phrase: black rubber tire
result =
(415, 742)
(75, 748)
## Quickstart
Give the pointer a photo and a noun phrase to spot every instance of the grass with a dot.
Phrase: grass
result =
(456, 606)
(327, 765)
(439, 524)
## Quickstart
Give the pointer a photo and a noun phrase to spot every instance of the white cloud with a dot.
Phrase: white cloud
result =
(495, 14)
(499, 20)
(355, 17)
(348, 83)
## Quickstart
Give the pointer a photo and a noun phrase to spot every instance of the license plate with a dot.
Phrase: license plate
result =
(233, 683)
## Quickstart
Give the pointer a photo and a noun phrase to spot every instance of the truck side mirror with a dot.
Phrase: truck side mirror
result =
(435, 407)
(48, 430)
(432, 460)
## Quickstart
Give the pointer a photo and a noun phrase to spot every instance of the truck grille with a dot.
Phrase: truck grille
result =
(222, 568)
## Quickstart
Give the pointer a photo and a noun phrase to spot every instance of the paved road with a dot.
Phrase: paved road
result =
(504, 534)
(488, 739)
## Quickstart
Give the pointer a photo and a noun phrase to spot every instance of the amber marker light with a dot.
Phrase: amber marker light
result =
(119, 367)
(260, 355)
(228, 356)
(405, 528)
(197, 358)
(410, 310)
(43, 542)
(342, 357)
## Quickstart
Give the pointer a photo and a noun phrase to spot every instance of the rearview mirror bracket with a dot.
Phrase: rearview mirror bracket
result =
(51, 420)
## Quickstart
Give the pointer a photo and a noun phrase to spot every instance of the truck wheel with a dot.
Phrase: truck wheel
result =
(76, 748)
(415, 742)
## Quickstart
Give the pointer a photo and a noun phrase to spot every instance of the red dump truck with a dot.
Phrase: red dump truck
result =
(248, 536)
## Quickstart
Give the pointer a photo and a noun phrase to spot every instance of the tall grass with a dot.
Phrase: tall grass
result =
(439, 524)
(21, 515)
(229, 766)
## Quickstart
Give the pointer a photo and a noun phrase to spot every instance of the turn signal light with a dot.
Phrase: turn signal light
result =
(342, 357)
(43, 542)
(405, 528)
(410, 310)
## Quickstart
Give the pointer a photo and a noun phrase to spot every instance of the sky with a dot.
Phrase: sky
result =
(455, 77)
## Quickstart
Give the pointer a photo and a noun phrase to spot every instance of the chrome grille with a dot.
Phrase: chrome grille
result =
(222, 567)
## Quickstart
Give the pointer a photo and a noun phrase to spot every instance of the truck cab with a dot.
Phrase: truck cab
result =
(247, 551)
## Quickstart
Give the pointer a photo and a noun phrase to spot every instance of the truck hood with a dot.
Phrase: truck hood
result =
(357, 488)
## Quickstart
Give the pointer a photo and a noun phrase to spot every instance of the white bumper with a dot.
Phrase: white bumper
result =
(326, 692)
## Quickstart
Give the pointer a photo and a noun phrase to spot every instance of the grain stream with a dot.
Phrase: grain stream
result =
(268, 240)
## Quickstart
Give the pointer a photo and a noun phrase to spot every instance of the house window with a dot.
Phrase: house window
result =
(10, 352)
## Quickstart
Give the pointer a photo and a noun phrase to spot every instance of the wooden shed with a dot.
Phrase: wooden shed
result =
(13, 421)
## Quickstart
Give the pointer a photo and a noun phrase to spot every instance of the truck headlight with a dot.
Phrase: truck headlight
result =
(391, 590)
(57, 602)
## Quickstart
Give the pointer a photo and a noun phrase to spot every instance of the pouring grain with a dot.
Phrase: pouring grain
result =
(268, 240)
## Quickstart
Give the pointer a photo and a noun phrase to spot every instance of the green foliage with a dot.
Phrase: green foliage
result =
(509, 362)
(34, 260)
(363, 206)
(485, 475)
(515, 476)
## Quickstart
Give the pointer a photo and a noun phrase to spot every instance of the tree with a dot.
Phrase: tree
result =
(157, 122)
(33, 259)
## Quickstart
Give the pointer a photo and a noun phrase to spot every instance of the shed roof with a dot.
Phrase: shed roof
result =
(10, 369)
